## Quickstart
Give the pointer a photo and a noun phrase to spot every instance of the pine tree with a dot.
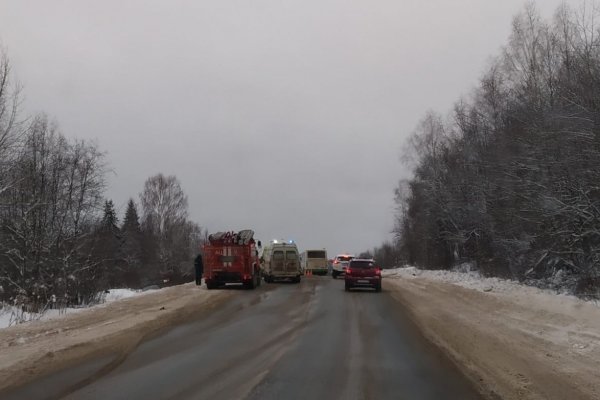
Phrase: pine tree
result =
(131, 248)
(131, 222)
(109, 220)
(108, 245)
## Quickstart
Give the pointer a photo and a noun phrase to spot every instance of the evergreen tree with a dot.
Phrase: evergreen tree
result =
(131, 222)
(108, 245)
(131, 248)
(109, 220)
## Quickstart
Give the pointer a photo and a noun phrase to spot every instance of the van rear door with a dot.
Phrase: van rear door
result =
(278, 261)
(291, 261)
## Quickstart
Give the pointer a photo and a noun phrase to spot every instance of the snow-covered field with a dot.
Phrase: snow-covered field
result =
(13, 315)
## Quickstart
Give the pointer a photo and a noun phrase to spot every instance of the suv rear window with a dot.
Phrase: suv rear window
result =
(345, 258)
(362, 264)
(315, 254)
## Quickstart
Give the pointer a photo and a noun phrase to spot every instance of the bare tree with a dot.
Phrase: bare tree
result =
(48, 213)
(10, 128)
(165, 210)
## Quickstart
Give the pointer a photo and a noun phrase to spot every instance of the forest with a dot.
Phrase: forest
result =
(61, 240)
(509, 179)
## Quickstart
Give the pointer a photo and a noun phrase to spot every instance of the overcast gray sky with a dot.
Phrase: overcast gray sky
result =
(284, 116)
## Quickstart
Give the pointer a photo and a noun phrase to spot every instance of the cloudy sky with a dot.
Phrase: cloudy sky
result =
(284, 116)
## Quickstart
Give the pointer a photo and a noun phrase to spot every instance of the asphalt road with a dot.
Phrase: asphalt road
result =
(282, 341)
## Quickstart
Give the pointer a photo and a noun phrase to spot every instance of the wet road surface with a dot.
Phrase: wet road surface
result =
(310, 340)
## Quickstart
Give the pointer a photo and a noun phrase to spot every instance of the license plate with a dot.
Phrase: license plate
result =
(363, 281)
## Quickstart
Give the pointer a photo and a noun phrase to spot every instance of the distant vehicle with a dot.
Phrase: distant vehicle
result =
(362, 273)
(314, 261)
(280, 260)
(340, 262)
(231, 257)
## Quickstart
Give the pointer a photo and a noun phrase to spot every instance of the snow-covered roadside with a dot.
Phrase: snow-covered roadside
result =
(13, 315)
(474, 280)
(33, 349)
(515, 341)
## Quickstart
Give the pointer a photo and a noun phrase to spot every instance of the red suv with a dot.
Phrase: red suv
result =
(363, 273)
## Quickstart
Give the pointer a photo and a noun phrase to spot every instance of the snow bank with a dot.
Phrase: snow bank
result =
(118, 294)
(12, 315)
(471, 279)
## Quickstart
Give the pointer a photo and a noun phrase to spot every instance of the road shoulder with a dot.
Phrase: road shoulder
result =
(512, 346)
(33, 350)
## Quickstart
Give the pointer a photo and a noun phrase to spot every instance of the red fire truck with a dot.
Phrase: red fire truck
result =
(231, 257)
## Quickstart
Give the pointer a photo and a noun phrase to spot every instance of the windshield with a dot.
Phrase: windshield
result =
(316, 254)
(362, 264)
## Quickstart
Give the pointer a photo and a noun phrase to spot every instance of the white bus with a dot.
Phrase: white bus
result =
(315, 261)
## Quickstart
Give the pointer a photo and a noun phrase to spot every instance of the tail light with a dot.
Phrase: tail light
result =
(378, 271)
(336, 262)
(348, 271)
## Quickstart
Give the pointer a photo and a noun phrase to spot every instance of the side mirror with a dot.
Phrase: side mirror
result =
(259, 244)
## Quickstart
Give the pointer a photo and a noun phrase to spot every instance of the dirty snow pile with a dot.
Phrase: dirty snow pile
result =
(12, 315)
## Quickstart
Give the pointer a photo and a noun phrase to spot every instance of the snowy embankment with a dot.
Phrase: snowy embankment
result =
(33, 349)
(472, 279)
(514, 341)
(14, 315)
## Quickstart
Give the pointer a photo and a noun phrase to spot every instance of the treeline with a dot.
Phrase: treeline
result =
(59, 237)
(511, 179)
(386, 256)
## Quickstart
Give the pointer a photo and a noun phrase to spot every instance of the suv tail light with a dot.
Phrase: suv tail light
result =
(336, 262)
(348, 271)
(378, 271)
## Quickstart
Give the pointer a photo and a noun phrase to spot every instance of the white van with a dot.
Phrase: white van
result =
(315, 261)
(280, 260)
